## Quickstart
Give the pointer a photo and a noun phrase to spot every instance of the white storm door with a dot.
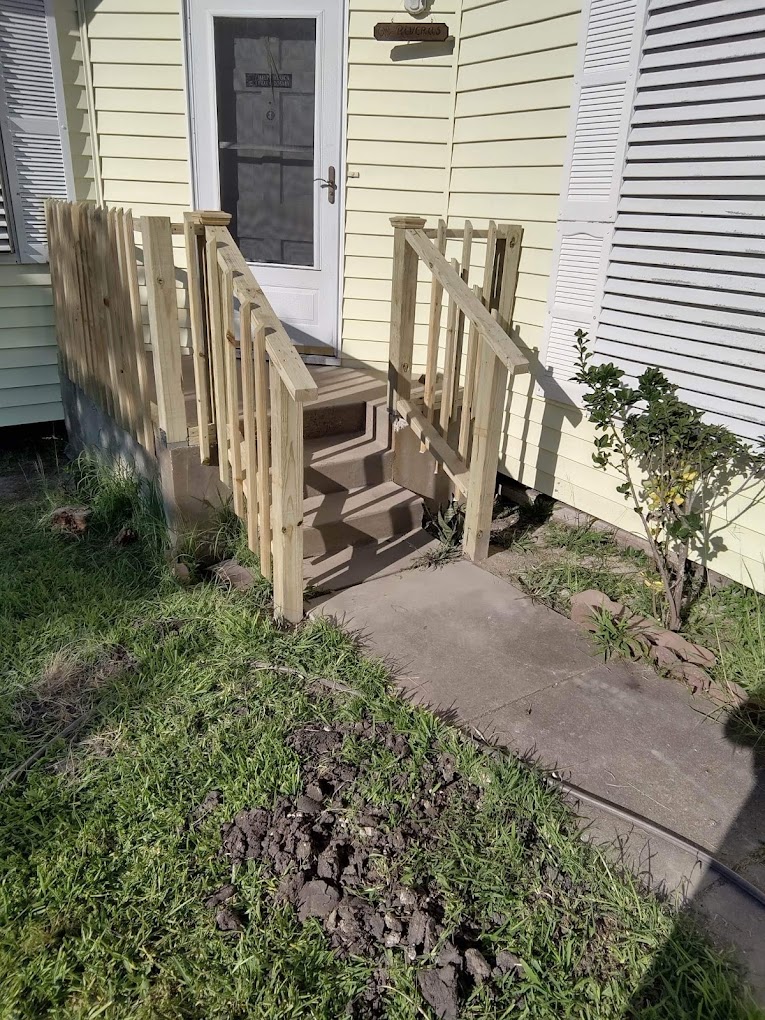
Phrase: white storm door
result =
(266, 80)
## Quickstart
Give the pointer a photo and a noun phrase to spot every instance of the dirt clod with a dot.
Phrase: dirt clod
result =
(70, 520)
(438, 987)
(229, 920)
(339, 859)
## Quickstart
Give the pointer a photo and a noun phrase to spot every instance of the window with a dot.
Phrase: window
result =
(34, 152)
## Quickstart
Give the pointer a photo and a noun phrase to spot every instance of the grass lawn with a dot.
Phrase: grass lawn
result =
(112, 839)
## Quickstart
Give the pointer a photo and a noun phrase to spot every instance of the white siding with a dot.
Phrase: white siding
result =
(686, 283)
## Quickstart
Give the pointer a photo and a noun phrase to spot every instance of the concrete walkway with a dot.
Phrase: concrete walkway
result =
(466, 642)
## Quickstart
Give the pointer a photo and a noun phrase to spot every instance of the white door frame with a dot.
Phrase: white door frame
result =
(341, 165)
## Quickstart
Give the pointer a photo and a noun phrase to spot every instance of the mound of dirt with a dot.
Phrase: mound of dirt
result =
(338, 858)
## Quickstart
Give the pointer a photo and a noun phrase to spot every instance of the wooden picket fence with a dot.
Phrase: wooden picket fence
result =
(97, 305)
(242, 356)
(460, 423)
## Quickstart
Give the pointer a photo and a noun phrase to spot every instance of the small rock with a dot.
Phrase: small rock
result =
(181, 572)
(317, 899)
(228, 920)
(233, 575)
(406, 897)
(684, 649)
(585, 603)
(693, 675)
(476, 965)
(226, 892)
(663, 657)
(446, 764)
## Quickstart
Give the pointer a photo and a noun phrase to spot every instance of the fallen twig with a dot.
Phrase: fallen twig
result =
(333, 685)
(20, 770)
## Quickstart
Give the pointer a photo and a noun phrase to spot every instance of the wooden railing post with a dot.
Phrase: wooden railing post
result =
(403, 301)
(487, 435)
(287, 500)
(194, 224)
(165, 331)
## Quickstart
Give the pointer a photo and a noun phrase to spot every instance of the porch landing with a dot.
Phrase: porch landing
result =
(468, 643)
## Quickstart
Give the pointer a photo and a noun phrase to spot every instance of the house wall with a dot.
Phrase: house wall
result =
(478, 133)
(29, 389)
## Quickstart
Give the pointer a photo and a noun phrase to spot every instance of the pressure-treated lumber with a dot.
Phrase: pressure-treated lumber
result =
(468, 392)
(287, 480)
(451, 371)
(233, 439)
(503, 347)
(264, 455)
(434, 331)
(454, 466)
(193, 233)
(146, 436)
(403, 301)
(250, 462)
(487, 434)
(216, 339)
(294, 374)
(512, 237)
(165, 331)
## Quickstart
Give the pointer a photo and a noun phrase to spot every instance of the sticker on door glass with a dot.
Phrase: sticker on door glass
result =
(264, 80)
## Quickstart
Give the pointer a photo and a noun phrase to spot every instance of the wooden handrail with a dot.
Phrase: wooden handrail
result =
(464, 437)
(288, 363)
(467, 301)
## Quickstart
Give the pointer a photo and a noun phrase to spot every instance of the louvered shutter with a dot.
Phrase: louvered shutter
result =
(603, 92)
(6, 239)
(32, 120)
(685, 289)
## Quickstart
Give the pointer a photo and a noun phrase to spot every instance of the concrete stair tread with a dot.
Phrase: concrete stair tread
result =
(353, 503)
(337, 519)
(355, 564)
(348, 446)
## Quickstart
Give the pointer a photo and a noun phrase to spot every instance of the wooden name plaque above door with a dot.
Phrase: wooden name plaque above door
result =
(425, 31)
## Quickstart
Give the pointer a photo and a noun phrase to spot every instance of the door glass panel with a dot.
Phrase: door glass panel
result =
(265, 72)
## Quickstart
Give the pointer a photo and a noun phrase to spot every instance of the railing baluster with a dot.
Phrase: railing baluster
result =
(264, 454)
(468, 394)
(247, 364)
(232, 390)
(450, 354)
(434, 334)
(193, 234)
(467, 242)
(215, 319)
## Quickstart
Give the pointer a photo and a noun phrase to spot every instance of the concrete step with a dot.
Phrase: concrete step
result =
(320, 420)
(334, 520)
(345, 462)
(355, 564)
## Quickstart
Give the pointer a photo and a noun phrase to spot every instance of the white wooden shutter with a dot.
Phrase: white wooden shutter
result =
(603, 92)
(685, 289)
(6, 238)
(32, 120)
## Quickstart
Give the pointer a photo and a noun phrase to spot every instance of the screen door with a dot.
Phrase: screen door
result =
(267, 104)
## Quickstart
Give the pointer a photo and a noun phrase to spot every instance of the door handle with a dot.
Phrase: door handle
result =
(329, 182)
